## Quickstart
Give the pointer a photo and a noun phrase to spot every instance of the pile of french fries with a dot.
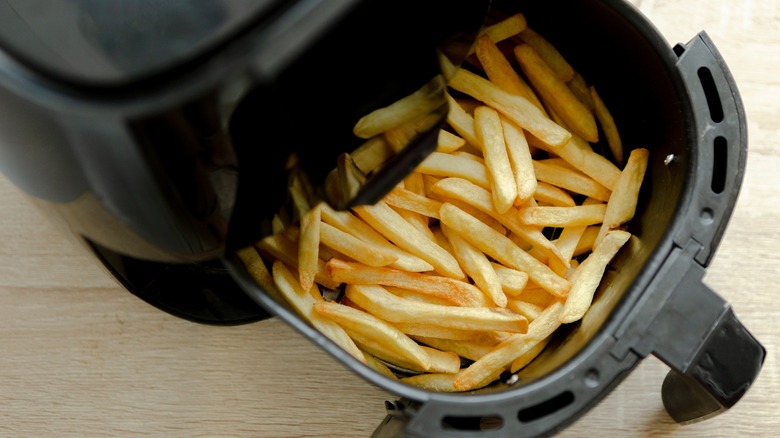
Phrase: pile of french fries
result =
(465, 269)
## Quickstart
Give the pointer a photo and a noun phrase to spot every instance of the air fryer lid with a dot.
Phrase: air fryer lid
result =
(682, 104)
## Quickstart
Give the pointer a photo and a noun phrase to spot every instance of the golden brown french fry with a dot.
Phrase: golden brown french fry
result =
(501, 73)
(502, 249)
(467, 349)
(552, 195)
(257, 269)
(411, 201)
(506, 352)
(580, 215)
(303, 302)
(432, 382)
(563, 70)
(556, 94)
(456, 291)
(408, 109)
(567, 243)
(470, 156)
(512, 281)
(348, 223)
(536, 296)
(468, 104)
(412, 295)
(368, 326)
(503, 29)
(449, 142)
(608, 126)
(281, 248)
(520, 161)
(449, 165)
(530, 355)
(354, 248)
(580, 155)
(587, 241)
(589, 275)
(381, 303)
(516, 108)
(383, 219)
(477, 266)
(622, 203)
(570, 180)
(308, 247)
(529, 310)
(379, 366)
(491, 136)
(461, 122)
(442, 361)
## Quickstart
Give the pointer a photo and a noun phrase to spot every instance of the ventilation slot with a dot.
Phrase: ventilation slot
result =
(545, 408)
(720, 164)
(489, 422)
(711, 94)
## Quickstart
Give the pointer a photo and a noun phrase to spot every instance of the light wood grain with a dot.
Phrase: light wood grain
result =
(81, 357)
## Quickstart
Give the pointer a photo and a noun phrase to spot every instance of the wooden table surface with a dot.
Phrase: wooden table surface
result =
(81, 357)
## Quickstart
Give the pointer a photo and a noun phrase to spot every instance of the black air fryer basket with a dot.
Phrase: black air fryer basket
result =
(682, 104)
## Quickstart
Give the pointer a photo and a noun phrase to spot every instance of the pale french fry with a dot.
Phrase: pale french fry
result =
(512, 281)
(529, 356)
(281, 248)
(563, 70)
(469, 193)
(442, 361)
(379, 366)
(466, 349)
(414, 183)
(622, 203)
(477, 266)
(589, 276)
(552, 195)
(432, 382)
(376, 300)
(469, 104)
(461, 121)
(570, 180)
(456, 291)
(556, 94)
(449, 142)
(411, 201)
(412, 295)
(348, 223)
(417, 330)
(580, 215)
(502, 249)
(567, 242)
(482, 371)
(587, 241)
(303, 302)
(491, 136)
(368, 326)
(503, 29)
(354, 248)
(410, 108)
(580, 155)
(501, 73)
(383, 219)
(418, 221)
(529, 310)
(516, 108)
(608, 126)
(520, 161)
(308, 247)
(470, 156)
(449, 165)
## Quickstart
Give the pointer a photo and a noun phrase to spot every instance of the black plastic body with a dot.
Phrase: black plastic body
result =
(683, 105)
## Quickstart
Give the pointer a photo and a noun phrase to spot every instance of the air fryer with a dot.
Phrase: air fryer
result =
(151, 157)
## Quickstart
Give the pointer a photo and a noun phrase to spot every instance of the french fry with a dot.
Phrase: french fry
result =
(408, 109)
(449, 142)
(589, 276)
(303, 302)
(570, 180)
(356, 249)
(552, 195)
(383, 304)
(379, 366)
(607, 123)
(473, 211)
(482, 371)
(412, 295)
(520, 161)
(470, 156)
(348, 223)
(581, 89)
(308, 247)
(466, 349)
(502, 249)
(449, 165)
(383, 219)
(371, 154)
(461, 122)
(411, 201)
(257, 269)
(580, 215)
(370, 327)
(622, 203)
(423, 330)
(536, 296)
(432, 382)
(516, 108)
(512, 281)
(556, 94)
(477, 266)
(529, 310)
(580, 155)
(552, 57)
(456, 291)
(567, 242)
(529, 356)
(281, 248)
(442, 361)
(503, 29)
(501, 73)
(587, 241)
(491, 135)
